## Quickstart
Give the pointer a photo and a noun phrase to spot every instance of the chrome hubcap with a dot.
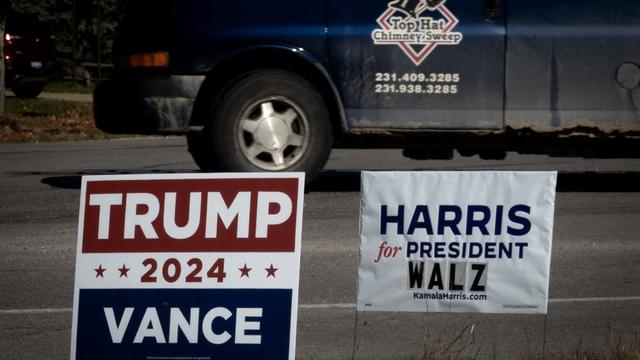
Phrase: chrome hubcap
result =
(273, 133)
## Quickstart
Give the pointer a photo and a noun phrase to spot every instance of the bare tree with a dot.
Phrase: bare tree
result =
(2, 90)
(4, 10)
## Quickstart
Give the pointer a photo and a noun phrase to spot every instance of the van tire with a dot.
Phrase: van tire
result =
(269, 120)
(27, 90)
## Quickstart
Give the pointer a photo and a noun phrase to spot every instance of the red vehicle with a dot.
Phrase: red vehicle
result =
(28, 55)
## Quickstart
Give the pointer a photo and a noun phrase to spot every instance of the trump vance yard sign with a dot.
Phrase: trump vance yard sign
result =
(198, 266)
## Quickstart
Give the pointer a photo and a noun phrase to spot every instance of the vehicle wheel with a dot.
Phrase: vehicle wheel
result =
(271, 120)
(200, 147)
(27, 91)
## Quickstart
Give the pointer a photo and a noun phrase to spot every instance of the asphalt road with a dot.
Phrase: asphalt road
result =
(595, 279)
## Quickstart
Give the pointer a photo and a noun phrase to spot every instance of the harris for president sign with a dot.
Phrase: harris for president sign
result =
(456, 241)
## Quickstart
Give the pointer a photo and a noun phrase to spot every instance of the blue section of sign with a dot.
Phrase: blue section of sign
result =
(95, 337)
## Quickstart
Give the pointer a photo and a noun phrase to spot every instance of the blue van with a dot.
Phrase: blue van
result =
(274, 85)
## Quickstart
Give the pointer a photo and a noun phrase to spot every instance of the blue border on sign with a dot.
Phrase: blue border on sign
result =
(95, 341)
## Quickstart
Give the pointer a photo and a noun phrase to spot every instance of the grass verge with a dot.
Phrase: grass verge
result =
(35, 120)
(69, 87)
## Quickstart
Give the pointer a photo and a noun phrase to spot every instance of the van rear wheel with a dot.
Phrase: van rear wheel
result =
(270, 120)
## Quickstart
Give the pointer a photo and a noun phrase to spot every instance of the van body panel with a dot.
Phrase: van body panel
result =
(562, 65)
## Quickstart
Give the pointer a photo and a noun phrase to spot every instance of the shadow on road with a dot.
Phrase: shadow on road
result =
(349, 181)
(63, 182)
(74, 180)
(337, 181)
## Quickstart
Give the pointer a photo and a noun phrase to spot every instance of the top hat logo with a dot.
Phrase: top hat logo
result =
(407, 24)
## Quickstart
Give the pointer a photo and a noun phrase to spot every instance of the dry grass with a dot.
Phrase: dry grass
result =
(463, 344)
(36, 120)
(617, 351)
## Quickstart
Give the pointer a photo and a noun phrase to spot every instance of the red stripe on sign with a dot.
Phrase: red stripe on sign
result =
(190, 215)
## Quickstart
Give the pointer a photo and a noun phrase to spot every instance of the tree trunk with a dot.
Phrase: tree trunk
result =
(2, 90)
